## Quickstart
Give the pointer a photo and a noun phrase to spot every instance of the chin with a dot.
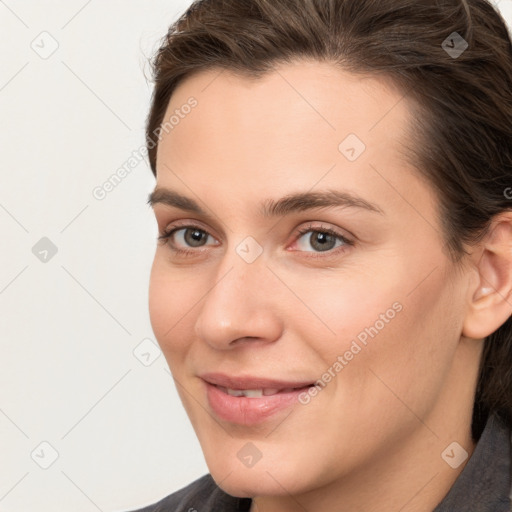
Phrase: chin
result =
(269, 478)
(248, 485)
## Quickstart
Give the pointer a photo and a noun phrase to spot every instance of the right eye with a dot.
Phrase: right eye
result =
(181, 239)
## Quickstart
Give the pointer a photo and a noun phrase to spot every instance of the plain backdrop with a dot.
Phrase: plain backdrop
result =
(89, 415)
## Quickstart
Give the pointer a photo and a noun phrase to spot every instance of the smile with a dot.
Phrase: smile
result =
(249, 400)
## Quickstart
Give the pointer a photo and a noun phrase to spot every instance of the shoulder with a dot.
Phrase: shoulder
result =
(202, 494)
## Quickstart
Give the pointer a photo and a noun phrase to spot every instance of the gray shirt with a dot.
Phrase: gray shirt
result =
(482, 486)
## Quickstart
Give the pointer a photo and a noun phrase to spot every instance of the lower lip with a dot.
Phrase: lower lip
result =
(246, 410)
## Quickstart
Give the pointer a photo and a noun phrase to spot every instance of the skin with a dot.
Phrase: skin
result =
(372, 439)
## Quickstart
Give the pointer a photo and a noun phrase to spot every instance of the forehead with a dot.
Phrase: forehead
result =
(303, 125)
(297, 109)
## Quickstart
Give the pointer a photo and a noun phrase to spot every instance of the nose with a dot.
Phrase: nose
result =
(240, 306)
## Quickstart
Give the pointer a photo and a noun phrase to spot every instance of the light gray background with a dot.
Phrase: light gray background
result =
(73, 372)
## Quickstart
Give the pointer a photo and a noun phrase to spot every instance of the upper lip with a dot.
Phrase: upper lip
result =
(250, 382)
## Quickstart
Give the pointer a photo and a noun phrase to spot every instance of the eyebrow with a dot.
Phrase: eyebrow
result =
(286, 205)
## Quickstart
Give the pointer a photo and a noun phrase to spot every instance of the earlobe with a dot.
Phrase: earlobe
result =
(490, 298)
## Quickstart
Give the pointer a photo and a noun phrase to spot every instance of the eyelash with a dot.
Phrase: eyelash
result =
(167, 234)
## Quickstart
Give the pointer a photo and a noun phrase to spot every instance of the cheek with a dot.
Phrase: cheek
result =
(409, 359)
(171, 302)
(384, 328)
(341, 308)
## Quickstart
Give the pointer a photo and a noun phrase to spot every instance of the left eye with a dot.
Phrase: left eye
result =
(321, 240)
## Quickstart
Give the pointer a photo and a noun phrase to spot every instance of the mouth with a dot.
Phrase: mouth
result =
(250, 400)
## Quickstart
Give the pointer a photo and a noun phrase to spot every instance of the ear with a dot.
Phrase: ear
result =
(490, 295)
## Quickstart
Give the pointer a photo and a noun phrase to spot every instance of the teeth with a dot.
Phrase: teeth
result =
(233, 392)
(250, 393)
(255, 393)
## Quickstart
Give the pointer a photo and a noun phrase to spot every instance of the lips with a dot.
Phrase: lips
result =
(244, 383)
(250, 400)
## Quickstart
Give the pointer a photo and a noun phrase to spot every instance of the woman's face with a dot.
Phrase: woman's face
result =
(370, 309)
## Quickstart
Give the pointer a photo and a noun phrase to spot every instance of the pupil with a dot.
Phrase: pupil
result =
(323, 239)
(193, 237)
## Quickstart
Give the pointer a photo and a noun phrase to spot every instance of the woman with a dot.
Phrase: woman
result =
(332, 284)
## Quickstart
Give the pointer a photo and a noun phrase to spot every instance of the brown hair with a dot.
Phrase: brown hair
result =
(462, 127)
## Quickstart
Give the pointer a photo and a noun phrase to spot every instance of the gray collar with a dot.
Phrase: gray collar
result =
(484, 483)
